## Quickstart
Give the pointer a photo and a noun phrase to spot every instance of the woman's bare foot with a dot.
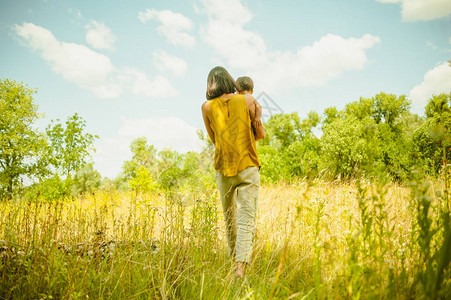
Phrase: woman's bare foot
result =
(240, 269)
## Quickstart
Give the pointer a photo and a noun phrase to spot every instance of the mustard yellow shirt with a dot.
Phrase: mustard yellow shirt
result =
(235, 142)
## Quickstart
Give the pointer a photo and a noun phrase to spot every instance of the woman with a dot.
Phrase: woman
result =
(228, 118)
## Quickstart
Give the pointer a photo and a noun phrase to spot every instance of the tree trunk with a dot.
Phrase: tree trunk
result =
(9, 191)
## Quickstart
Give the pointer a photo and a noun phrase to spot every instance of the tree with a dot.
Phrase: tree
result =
(170, 169)
(290, 149)
(205, 161)
(388, 107)
(397, 143)
(273, 164)
(143, 156)
(392, 120)
(143, 182)
(330, 114)
(349, 144)
(282, 130)
(167, 169)
(208, 150)
(302, 157)
(21, 144)
(308, 124)
(433, 138)
(86, 180)
(439, 107)
(362, 109)
(70, 145)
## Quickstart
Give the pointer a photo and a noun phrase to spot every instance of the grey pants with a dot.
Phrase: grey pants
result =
(239, 196)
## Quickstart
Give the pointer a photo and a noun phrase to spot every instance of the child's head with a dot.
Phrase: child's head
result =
(245, 85)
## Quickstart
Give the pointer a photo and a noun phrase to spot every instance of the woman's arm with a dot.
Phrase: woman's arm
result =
(255, 114)
(205, 113)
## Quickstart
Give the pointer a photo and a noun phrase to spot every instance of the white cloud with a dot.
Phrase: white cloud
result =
(436, 81)
(159, 87)
(75, 12)
(228, 11)
(243, 49)
(325, 59)
(431, 45)
(174, 26)
(166, 62)
(169, 132)
(89, 69)
(422, 10)
(309, 66)
(76, 63)
(99, 36)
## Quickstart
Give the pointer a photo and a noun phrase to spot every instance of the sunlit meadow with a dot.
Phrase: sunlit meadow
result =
(314, 239)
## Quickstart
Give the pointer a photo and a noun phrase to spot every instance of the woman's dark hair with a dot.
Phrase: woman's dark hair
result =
(219, 82)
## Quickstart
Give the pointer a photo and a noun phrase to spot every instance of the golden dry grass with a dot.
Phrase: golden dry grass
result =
(311, 241)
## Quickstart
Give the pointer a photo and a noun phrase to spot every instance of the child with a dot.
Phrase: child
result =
(246, 87)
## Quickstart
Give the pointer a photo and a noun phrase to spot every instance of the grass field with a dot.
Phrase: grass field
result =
(314, 240)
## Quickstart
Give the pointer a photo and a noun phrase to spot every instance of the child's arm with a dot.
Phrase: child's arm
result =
(258, 115)
(255, 114)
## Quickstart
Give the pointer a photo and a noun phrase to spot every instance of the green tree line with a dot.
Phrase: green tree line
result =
(48, 160)
(372, 133)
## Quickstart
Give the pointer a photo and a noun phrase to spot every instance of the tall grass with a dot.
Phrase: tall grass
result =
(314, 240)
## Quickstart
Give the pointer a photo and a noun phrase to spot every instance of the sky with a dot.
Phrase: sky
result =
(139, 68)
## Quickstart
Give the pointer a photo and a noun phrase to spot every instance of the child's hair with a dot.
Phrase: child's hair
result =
(245, 84)
(219, 82)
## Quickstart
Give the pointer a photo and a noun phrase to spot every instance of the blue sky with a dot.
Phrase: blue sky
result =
(139, 68)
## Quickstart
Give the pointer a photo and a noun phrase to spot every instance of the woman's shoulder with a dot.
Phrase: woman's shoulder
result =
(206, 106)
